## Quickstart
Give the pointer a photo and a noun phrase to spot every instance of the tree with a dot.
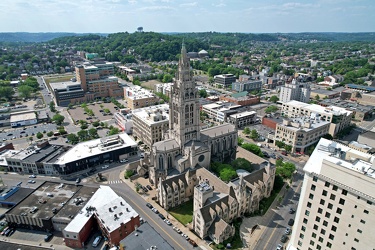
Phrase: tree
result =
(271, 109)
(58, 119)
(70, 106)
(317, 97)
(280, 144)
(167, 78)
(50, 133)
(39, 135)
(288, 148)
(52, 106)
(274, 99)
(107, 111)
(96, 123)
(114, 131)
(73, 138)
(252, 148)
(203, 93)
(93, 133)
(25, 91)
(6, 92)
(246, 131)
(254, 134)
(241, 163)
(227, 174)
(82, 135)
(240, 141)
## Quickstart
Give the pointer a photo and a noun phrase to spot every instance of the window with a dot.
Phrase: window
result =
(337, 220)
(329, 245)
(313, 235)
(359, 231)
(348, 226)
(313, 187)
(362, 221)
(325, 223)
(331, 237)
(315, 178)
(320, 239)
(303, 228)
(327, 184)
(334, 187)
(305, 220)
(339, 210)
(333, 228)
(308, 204)
(316, 227)
(330, 206)
(317, 219)
(344, 192)
(312, 243)
(299, 243)
(307, 212)
(342, 201)
(324, 193)
(311, 196)
(322, 202)
(328, 215)
(365, 211)
(320, 210)
(322, 231)
(356, 240)
(318, 247)
(333, 197)
(301, 236)
(369, 202)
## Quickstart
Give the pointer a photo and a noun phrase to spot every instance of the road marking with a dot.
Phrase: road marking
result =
(146, 213)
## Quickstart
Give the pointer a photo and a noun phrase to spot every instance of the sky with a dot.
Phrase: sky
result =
(248, 16)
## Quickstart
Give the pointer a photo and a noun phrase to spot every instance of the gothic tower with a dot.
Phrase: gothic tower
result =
(184, 104)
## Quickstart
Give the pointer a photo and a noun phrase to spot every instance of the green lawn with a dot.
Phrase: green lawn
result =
(183, 213)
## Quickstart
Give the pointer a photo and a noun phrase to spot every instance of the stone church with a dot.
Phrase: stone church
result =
(186, 147)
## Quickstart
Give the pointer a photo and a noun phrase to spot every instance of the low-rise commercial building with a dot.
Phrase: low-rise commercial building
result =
(300, 133)
(220, 111)
(242, 98)
(69, 92)
(367, 138)
(23, 119)
(138, 97)
(224, 80)
(151, 123)
(359, 112)
(249, 86)
(243, 119)
(124, 120)
(318, 94)
(339, 118)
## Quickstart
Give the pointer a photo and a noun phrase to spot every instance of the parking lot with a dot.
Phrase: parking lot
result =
(78, 113)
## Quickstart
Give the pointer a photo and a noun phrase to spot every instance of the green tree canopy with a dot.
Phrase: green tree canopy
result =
(274, 99)
(39, 135)
(241, 163)
(73, 138)
(254, 134)
(246, 131)
(203, 93)
(271, 109)
(6, 92)
(58, 119)
(252, 148)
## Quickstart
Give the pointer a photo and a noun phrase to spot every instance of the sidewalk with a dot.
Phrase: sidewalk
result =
(148, 198)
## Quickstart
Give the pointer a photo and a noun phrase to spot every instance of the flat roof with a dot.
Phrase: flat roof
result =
(52, 193)
(106, 203)
(300, 121)
(22, 117)
(153, 114)
(12, 246)
(64, 85)
(361, 87)
(324, 92)
(36, 154)
(95, 147)
(145, 237)
(243, 114)
(19, 195)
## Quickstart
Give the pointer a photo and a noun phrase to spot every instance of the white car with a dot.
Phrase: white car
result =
(32, 176)
(124, 160)
(31, 181)
(279, 247)
(167, 222)
(105, 167)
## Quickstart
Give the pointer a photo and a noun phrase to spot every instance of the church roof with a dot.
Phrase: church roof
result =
(166, 145)
(217, 131)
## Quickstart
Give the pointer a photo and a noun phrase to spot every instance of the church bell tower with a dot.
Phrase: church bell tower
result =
(184, 104)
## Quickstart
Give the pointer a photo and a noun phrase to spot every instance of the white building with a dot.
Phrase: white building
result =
(23, 119)
(295, 91)
(337, 203)
(138, 97)
(244, 118)
(151, 123)
(338, 117)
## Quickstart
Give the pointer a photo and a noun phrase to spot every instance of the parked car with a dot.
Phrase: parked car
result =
(124, 160)
(149, 205)
(11, 232)
(292, 210)
(284, 238)
(48, 237)
(162, 216)
(192, 243)
(177, 230)
(78, 180)
(149, 187)
(291, 222)
(4, 230)
(105, 167)
(284, 153)
(279, 247)
(31, 181)
(265, 154)
(288, 231)
(155, 210)
(167, 222)
(32, 176)
(97, 240)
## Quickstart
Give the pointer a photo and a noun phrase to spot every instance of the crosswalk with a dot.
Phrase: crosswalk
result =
(115, 182)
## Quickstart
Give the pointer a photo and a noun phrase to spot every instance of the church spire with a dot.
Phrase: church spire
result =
(184, 60)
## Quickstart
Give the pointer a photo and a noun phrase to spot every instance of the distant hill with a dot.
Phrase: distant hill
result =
(35, 37)
(329, 36)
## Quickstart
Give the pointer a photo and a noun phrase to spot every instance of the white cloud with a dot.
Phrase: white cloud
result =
(192, 4)
(157, 7)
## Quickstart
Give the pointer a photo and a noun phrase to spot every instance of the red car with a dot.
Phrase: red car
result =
(283, 153)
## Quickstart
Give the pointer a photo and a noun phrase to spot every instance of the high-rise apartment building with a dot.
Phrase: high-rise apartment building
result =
(337, 203)
(295, 91)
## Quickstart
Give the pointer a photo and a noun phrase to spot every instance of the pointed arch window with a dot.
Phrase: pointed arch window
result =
(161, 162)
(169, 161)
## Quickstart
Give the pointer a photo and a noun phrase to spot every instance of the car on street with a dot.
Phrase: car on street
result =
(31, 181)
(279, 247)
(48, 237)
(32, 176)
(155, 210)
(149, 205)
(105, 167)
(265, 154)
(177, 230)
(78, 180)
(167, 222)
(162, 216)
(292, 210)
(291, 222)
(273, 156)
(193, 243)
(284, 238)
(284, 153)
(288, 231)
(124, 160)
